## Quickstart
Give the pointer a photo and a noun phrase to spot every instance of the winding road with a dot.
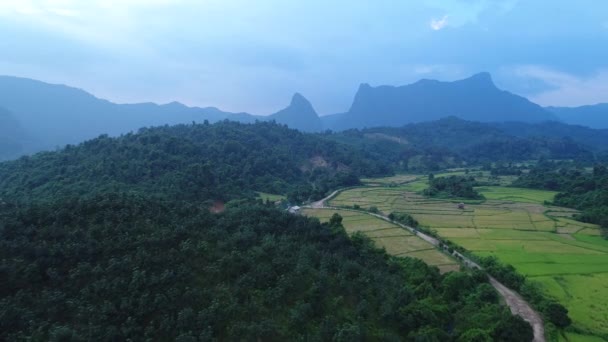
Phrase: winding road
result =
(514, 300)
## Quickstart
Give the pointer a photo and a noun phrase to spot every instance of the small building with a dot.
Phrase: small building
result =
(294, 210)
(461, 205)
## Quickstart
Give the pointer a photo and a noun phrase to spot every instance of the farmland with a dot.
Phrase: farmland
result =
(394, 239)
(567, 258)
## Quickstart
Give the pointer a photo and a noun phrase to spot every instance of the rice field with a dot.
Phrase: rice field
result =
(541, 241)
(516, 194)
(394, 239)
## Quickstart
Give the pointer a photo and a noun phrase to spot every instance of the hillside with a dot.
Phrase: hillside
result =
(114, 239)
(201, 162)
(475, 98)
(593, 139)
(12, 136)
(594, 116)
(453, 142)
(125, 267)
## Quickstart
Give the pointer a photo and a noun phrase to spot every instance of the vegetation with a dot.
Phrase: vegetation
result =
(118, 267)
(192, 162)
(579, 189)
(453, 142)
(404, 218)
(554, 312)
(562, 259)
(114, 239)
(452, 186)
(395, 240)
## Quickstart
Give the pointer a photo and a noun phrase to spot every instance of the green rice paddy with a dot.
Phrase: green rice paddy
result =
(569, 259)
(394, 239)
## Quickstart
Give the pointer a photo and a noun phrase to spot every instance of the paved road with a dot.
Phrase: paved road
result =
(516, 303)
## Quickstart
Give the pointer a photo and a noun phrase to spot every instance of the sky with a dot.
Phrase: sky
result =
(243, 55)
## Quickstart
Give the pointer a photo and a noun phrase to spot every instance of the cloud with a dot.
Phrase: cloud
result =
(438, 24)
(64, 12)
(243, 55)
(566, 89)
(462, 12)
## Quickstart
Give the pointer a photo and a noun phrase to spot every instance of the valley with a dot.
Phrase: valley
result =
(565, 258)
(209, 171)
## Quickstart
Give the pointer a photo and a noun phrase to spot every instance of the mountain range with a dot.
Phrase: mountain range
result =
(475, 98)
(37, 116)
(595, 116)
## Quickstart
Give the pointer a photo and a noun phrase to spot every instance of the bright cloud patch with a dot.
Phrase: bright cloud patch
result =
(438, 24)
(568, 90)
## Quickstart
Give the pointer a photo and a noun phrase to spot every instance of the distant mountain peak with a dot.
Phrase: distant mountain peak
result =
(300, 114)
(364, 86)
(482, 78)
(298, 100)
(474, 98)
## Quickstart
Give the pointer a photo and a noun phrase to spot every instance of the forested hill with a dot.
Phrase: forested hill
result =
(453, 142)
(113, 240)
(122, 267)
(199, 162)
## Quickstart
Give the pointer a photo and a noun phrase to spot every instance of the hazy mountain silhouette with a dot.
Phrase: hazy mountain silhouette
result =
(299, 114)
(475, 98)
(42, 116)
(13, 139)
(595, 116)
(56, 115)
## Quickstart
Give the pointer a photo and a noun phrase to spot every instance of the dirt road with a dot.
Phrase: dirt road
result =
(321, 203)
(521, 308)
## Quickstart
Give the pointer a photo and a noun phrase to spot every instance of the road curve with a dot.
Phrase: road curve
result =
(521, 308)
(321, 203)
(514, 301)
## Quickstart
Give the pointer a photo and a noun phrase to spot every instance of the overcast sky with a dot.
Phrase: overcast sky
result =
(245, 55)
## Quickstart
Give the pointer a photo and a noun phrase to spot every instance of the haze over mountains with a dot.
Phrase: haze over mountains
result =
(475, 98)
(37, 116)
(595, 116)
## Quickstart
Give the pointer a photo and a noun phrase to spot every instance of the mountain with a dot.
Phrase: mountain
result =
(475, 98)
(300, 114)
(57, 115)
(13, 139)
(115, 239)
(594, 116)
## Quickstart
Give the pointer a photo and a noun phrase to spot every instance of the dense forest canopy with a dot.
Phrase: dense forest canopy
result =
(452, 187)
(197, 162)
(452, 142)
(113, 240)
(118, 267)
